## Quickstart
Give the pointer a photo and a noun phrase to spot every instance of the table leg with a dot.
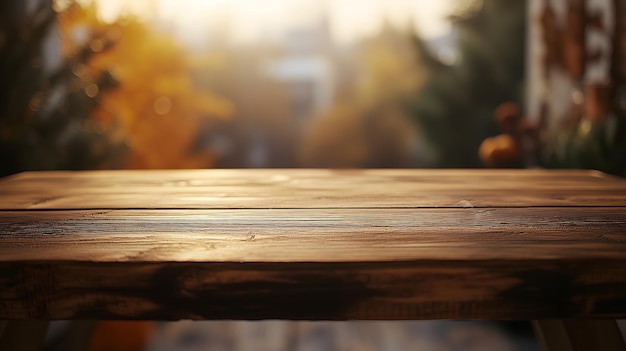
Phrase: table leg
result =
(3, 324)
(24, 335)
(579, 335)
(78, 336)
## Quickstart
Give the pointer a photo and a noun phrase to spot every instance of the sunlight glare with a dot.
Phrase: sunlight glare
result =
(249, 20)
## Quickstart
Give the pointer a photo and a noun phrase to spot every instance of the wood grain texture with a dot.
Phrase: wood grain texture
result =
(314, 235)
(425, 289)
(309, 189)
(128, 245)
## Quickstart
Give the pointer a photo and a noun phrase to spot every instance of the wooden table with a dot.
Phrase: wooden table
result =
(313, 244)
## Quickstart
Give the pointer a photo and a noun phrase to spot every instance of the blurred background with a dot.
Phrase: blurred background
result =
(154, 84)
(304, 83)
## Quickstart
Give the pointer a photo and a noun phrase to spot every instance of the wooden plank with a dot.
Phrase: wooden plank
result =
(312, 244)
(313, 235)
(507, 263)
(310, 189)
(338, 291)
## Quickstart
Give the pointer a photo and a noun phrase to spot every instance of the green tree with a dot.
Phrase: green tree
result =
(45, 109)
(456, 103)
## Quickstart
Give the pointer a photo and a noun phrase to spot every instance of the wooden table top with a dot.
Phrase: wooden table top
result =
(312, 244)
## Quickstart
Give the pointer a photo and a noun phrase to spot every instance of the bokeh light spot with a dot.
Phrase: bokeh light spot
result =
(96, 45)
(92, 90)
(162, 105)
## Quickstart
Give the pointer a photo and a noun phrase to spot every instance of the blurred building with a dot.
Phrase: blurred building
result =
(306, 67)
(572, 53)
(576, 84)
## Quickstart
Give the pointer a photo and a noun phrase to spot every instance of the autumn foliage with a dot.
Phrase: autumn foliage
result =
(156, 105)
